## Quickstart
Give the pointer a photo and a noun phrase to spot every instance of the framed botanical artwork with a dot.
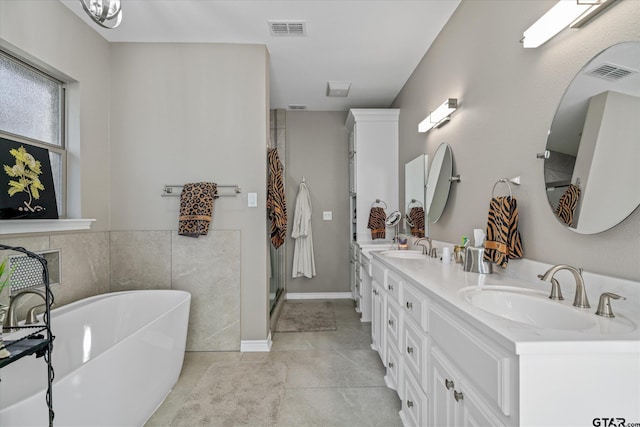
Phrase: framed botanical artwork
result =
(26, 182)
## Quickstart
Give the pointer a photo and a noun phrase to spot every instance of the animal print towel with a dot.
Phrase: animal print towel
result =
(377, 218)
(416, 216)
(196, 208)
(276, 202)
(503, 238)
(567, 205)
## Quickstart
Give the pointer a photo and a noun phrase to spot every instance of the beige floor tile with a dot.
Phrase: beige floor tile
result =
(333, 378)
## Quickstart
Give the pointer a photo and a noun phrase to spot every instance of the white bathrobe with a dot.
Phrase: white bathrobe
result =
(303, 263)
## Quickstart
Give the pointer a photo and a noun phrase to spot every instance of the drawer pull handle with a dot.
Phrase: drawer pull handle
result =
(410, 350)
(458, 395)
(375, 292)
(390, 322)
(448, 384)
(409, 305)
(409, 404)
(390, 288)
(391, 365)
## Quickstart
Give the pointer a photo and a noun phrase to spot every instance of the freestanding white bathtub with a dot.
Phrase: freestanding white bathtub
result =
(116, 357)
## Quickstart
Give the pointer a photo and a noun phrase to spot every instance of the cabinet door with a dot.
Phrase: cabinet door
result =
(443, 404)
(454, 401)
(377, 317)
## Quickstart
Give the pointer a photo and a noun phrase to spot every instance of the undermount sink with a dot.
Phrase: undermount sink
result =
(405, 254)
(528, 306)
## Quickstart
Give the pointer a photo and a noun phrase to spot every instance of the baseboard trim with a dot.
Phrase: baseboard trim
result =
(319, 295)
(256, 346)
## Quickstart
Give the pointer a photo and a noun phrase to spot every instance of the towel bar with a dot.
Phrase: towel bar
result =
(168, 190)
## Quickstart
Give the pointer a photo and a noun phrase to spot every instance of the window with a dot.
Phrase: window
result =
(32, 106)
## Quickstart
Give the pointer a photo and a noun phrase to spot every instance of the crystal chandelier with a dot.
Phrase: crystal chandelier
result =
(106, 13)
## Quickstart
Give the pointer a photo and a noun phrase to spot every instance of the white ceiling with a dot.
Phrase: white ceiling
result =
(375, 44)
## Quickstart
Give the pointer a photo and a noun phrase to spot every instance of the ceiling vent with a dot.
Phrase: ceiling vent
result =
(288, 28)
(611, 72)
(297, 107)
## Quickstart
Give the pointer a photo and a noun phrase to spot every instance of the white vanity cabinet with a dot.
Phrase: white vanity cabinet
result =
(453, 365)
(445, 372)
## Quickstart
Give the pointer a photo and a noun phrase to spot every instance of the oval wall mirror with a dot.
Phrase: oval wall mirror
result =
(439, 182)
(591, 173)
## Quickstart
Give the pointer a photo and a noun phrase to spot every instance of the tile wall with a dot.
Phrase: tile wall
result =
(208, 267)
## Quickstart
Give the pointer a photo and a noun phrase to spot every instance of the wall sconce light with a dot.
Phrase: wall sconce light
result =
(572, 13)
(439, 116)
(106, 13)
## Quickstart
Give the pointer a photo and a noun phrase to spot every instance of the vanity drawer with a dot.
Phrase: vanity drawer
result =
(379, 273)
(415, 404)
(490, 369)
(416, 351)
(393, 323)
(394, 285)
(416, 305)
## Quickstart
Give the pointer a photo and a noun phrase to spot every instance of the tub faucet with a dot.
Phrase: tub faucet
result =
(11, 320)
(426, 249)
(580, 300)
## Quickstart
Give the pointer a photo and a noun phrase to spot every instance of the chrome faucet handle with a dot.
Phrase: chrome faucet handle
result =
(604, 305)
(434, 253)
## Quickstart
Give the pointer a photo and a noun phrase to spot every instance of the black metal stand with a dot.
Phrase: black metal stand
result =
(36, 342)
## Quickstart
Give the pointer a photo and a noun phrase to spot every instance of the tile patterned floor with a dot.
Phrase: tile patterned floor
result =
(333, 378)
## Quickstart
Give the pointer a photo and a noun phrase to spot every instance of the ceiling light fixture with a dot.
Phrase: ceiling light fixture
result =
(439, 116)
(572, 13)
(338, 88)
(106, 13)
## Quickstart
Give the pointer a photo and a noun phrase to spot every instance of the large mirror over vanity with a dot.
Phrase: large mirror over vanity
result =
(596, 126)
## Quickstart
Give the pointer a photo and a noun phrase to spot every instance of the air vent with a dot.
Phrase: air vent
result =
(288, 28)
(297, 107)
(611, 72)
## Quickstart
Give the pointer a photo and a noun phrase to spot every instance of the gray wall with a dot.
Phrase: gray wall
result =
(507, 99)
(317, 148)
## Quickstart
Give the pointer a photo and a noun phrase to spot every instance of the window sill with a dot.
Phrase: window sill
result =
(20, 226)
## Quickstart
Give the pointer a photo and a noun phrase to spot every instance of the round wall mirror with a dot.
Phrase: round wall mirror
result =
(590, 172)
(439, 182)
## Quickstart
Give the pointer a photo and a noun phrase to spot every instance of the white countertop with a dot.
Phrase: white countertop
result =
(442, 283)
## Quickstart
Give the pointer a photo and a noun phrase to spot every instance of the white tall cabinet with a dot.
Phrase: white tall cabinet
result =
(373, 175)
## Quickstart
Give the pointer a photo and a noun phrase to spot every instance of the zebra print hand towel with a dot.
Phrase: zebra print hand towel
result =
(376, 223)
(567, 205)
(503, 238)
(196, 208)
(416, 215)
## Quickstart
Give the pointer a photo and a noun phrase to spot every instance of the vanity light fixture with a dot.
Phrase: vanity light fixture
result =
(572, 13)
(439, 116)
(106, 13)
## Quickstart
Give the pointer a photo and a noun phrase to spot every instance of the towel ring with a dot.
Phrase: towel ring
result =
(380, 202)
(504, 181)
(414, 201)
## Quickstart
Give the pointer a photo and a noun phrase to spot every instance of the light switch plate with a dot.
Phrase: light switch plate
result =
(252, 200)
(327, 215)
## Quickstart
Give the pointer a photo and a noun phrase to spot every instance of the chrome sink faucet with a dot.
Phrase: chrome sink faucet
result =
(426, 249)
(580, 300)
(11, 320)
